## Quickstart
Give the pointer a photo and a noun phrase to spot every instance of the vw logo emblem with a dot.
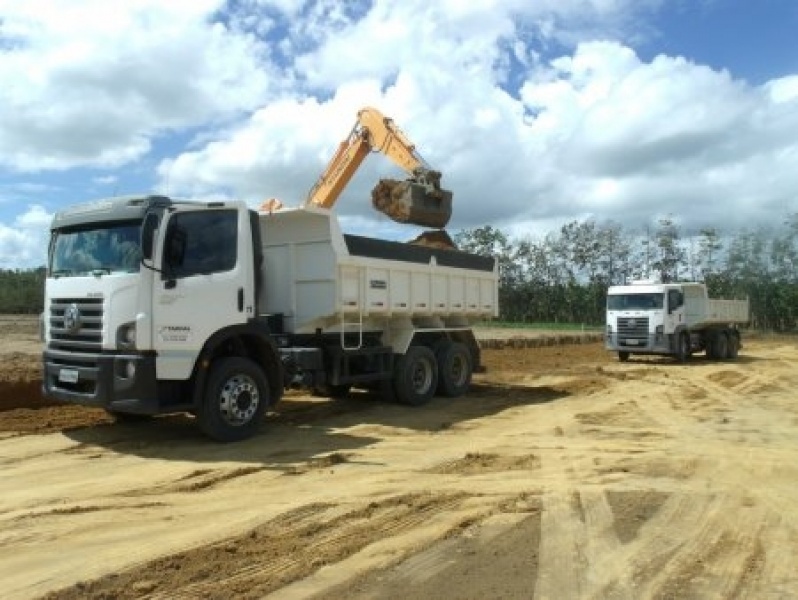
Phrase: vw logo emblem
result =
(72, 318)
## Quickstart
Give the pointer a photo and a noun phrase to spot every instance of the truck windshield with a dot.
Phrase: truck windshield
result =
(635, 301)
(101, 248)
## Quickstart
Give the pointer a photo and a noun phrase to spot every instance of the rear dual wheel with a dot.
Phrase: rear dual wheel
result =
(455, 367)
(724, 345)
(721, 344)
(421, 372)
(734, 346)
(415, 376)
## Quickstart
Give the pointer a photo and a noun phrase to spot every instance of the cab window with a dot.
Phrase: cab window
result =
(200, 243)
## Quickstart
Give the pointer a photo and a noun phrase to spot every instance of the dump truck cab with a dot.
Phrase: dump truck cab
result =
(672, 319)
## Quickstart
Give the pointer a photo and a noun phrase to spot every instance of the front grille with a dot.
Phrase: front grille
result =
(76, 324)
(633, 327)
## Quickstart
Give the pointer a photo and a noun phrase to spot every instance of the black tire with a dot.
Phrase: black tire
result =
(328, 390)
(623, 356)
(234, 401)
(455, 368)
(683, 347)
(711, 346)
(415, 376)
(734, 346)
(721, 346)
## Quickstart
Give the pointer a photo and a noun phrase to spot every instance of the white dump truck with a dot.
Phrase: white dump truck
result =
(675, 319)
(154, 305)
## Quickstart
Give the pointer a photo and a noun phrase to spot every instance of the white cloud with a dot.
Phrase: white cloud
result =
(25, 242)
(784, 89)
(673, 137)
(105, 180)
(599, 133)
(266, 89)
(92, 82)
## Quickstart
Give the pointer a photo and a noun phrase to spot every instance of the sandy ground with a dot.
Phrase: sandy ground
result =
(564, 474)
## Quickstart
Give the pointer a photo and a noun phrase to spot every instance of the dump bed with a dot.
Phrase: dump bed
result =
(702, 311)
(316, 277)
(726, 311)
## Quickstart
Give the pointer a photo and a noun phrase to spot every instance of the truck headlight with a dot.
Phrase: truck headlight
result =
(126, 336)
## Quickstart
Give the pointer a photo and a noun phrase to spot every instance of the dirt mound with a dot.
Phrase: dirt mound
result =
(434, 238)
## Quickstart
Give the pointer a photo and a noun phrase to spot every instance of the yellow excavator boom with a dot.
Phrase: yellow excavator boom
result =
(419, 199)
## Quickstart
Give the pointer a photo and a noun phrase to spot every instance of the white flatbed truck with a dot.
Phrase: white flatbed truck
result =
(154, 305)
(675, 319)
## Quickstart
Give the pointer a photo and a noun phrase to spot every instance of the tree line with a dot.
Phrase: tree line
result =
(22, 291)
(563, 277)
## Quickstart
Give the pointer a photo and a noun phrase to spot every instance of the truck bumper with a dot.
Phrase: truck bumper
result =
(651, 344)
(115, 382)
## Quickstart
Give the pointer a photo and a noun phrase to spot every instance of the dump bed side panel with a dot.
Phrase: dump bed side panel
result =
(727, 311)
(318, 278)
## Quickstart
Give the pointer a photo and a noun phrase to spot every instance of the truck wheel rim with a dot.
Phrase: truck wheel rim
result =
(458, 371)
(239, 399)
(421, 376)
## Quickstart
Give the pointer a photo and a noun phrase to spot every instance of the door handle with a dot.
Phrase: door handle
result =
(240, 299)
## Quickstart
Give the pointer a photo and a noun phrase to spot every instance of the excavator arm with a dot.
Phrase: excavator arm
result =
(418, 200)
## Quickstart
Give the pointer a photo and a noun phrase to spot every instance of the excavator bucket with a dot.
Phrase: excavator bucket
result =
(411, 202)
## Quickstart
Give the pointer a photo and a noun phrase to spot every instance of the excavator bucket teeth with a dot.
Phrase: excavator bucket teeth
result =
(413, 203)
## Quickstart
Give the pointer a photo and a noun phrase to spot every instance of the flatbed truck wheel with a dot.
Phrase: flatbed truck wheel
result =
(235, 399)
(623, 356)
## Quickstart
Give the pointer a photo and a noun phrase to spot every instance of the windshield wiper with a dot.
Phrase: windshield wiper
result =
(98, 271)
(61, 273)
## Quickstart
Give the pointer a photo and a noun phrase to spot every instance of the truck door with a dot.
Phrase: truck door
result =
(675, 312)
(204, 286)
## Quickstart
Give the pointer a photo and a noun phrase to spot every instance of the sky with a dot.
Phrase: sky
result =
(537, 113)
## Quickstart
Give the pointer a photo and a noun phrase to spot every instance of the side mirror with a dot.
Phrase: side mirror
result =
(148, 235)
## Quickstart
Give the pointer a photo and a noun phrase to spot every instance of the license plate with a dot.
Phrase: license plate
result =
(68, 376)
(631, 342)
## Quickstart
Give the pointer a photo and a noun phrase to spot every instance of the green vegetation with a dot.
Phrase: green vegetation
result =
(542, 326)
(560, 281)
(22, 291)
(563, 278)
